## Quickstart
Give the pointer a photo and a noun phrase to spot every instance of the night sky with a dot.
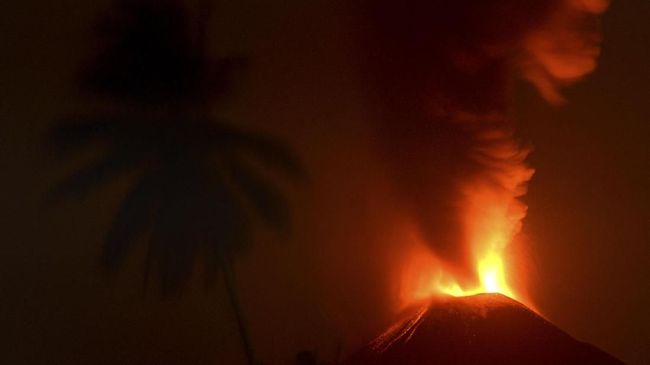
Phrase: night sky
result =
(587, 240)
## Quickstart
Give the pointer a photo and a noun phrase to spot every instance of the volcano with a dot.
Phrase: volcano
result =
(479, 329)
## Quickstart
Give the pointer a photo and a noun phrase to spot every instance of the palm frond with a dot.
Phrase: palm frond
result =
(133, 218)
(81, 131)
(99, 172)
(269, 151)
(275, 154)
(173, 241)
(225, 226)
(267, 200)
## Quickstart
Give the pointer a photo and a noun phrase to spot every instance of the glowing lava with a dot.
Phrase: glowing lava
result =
(492, 231)
(491, 214)
(425, 276)
(492, 279)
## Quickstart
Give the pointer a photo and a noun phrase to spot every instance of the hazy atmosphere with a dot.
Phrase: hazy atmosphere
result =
(378, 198)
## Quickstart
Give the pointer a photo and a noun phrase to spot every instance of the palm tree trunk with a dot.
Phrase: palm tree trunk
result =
(229, 280)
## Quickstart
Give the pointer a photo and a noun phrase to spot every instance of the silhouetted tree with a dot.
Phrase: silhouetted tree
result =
(198, 186)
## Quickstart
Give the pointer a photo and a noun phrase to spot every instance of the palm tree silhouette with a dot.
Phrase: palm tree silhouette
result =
(198, 185)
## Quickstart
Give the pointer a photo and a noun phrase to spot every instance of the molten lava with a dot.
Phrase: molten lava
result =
(492, 279)
(425, 277)
(491, 214)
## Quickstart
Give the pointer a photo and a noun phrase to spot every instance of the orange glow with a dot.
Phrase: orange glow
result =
(492, 277)
(491, 214)
(560, 51)
(425, 277)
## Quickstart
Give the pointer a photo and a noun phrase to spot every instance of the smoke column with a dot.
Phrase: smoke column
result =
(442, 73)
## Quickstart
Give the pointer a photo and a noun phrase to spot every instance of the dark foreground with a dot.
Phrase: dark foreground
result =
(481, 329)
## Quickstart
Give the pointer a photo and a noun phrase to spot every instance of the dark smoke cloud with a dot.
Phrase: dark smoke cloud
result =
(442, 74)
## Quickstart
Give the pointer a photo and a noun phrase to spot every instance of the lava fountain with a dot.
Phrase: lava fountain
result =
(491, 215)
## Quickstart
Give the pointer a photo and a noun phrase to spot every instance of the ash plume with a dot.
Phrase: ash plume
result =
(442, 74)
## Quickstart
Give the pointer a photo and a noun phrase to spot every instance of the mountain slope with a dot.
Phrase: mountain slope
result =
(481, 329)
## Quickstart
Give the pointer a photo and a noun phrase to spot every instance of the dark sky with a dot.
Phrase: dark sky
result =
(589, 203)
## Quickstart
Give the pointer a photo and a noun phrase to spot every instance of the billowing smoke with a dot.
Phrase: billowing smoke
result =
(564, 48)
(442, 72)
